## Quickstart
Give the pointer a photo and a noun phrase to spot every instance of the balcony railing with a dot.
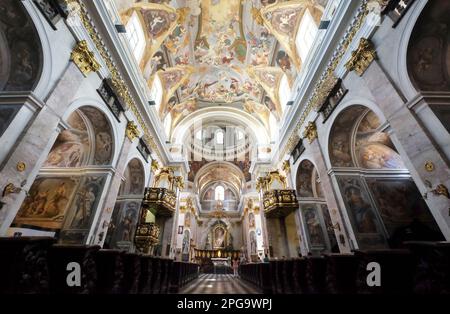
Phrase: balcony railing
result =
(160, 201)
(279, 203)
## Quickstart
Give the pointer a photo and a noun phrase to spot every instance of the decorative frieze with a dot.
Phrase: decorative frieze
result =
(362, 57)
(84, 59)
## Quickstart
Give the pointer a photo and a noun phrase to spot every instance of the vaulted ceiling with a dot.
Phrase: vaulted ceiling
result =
(215, 53)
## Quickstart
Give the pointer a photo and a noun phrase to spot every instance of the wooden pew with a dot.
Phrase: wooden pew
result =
(24, 265)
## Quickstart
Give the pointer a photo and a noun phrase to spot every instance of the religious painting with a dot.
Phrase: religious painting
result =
(7, 114)
(71, 148)
(185, 247)
(304, 179)
(340, 141)
(253, 243)
(402, 206)
(313, 226)
(374, 149)
(157, 21)
(219, 237)
(187, 220)
(428, 56)
(47, 202)
(334, 246)
(103, 135)
(220, 40)
(86, 201)
(251, 220)
(123, 224)
(362, 214)
(135, 176)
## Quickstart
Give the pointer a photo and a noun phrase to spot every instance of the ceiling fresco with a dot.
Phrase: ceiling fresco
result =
(220, 52)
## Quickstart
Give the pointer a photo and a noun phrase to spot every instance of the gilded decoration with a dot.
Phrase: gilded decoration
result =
(155, 165)
(286, 167)
(84, 59)
(117, 81)
(362, 57)
(132, 130)
(21, 166)
(328, 75)
(429, 166)
(310, 132)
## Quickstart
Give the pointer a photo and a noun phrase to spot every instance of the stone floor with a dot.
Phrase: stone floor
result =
(219, 284)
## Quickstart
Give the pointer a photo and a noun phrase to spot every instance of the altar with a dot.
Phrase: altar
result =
(221, 265)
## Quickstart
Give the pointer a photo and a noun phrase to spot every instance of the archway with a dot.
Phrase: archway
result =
(66, 194)
(126, 210)
(20, 56)
(383, 204)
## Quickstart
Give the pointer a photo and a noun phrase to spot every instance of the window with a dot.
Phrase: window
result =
(198, 135)
(306, 35)
(219, 193)
(240, 135)
(219, 137)
(136, 36)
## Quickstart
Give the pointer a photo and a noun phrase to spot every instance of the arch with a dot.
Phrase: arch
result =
(368, 169)
(428, 53)
(134, 183)
(21, 51)
(255, 128)
(88, 141)
(307, 180)
(358, 140)
(117, 129)
(404, 79)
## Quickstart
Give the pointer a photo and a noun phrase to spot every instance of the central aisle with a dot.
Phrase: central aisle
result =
(219, 284)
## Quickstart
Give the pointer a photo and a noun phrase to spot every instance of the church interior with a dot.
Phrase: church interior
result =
(224, 146)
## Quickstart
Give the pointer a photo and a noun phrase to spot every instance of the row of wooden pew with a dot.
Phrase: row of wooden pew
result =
(423, 268)
(38, 265)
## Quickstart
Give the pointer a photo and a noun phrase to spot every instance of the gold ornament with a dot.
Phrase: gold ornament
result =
(84, 59)
(362, 57)
(310, 132)
(429, 166)
(21, 166)
(132, 131)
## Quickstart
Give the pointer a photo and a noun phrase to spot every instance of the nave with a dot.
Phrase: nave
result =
(219, 284)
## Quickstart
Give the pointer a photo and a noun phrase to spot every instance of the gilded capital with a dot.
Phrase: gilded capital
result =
(310, 132)
(84, 59)
(362, 57)
(132, 131)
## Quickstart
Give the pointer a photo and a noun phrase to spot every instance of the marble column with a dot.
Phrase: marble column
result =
(329, 194)
(34, 146)
(416, 145)
(101, 228)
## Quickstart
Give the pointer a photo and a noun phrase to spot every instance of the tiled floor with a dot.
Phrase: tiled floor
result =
(219, 284)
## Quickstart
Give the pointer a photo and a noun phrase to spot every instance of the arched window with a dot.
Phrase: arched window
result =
(219, 193)
(219, 137)
(136, 36)
(306, 34)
